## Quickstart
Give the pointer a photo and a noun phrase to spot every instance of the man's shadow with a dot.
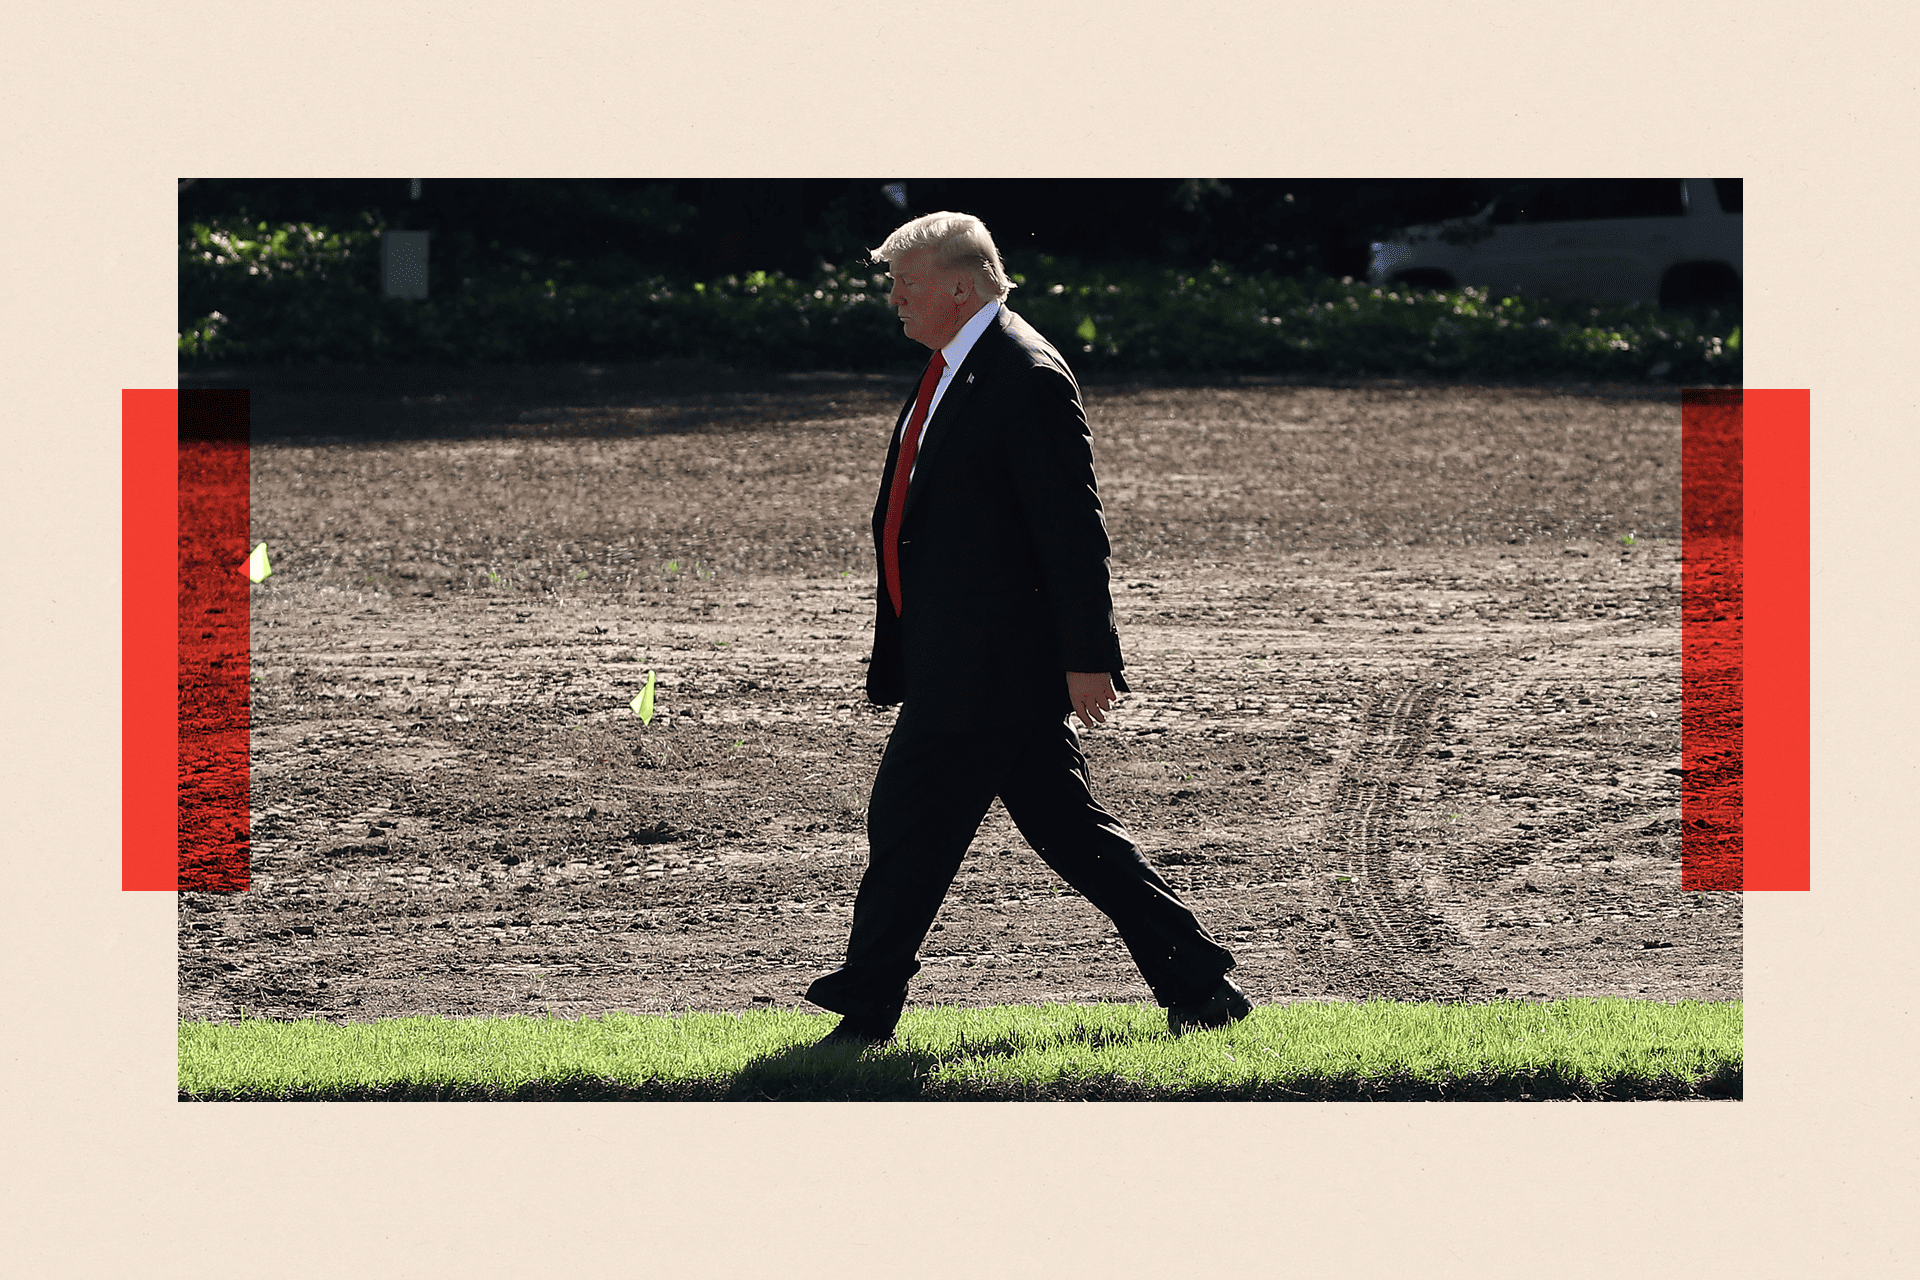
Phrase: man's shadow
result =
(835, 1072)
(893, 1072)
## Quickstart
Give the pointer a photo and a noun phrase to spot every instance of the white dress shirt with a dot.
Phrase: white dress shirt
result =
(953, 353)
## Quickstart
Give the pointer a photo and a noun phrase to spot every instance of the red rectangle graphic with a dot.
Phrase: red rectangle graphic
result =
(1777, 726)
(186, 640)
(149, 726)
(1744, 640)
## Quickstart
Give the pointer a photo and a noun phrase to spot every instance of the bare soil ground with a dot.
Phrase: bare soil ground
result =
(1406, 719)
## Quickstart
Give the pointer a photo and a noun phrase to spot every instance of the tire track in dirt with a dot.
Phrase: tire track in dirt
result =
(1375, 907)
(1392, 930)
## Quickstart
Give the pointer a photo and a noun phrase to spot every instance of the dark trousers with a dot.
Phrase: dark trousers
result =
(929, 797)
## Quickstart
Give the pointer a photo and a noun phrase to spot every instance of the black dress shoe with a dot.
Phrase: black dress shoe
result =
(1227, 1004)
(859, 1032)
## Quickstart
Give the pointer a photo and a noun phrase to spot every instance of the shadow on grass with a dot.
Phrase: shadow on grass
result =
(827, 1073)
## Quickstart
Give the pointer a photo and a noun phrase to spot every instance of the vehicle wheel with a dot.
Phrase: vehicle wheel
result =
(1699, 284)
(1424, 278)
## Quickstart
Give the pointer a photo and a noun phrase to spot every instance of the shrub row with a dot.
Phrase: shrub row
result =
(303, 294)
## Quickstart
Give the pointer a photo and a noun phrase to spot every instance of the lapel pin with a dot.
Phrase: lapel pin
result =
(969, 377)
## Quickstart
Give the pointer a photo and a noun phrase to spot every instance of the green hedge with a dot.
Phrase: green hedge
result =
(302, 294)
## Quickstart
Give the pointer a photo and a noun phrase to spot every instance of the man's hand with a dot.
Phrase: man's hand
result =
(1092, 695)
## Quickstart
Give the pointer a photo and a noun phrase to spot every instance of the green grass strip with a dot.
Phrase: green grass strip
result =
(1597, 1049)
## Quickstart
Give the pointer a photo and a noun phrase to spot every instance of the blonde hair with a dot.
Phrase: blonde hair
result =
(959, 241)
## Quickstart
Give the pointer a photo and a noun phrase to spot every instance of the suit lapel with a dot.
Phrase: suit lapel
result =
(886, 473)
(966, 379)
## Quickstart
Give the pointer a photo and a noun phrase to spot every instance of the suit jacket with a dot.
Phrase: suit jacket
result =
(1003, 545)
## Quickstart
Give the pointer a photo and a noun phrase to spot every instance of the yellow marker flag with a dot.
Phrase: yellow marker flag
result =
(257, 567)
(643, 703)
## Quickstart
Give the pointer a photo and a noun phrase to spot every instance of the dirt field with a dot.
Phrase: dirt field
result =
(1406, 719)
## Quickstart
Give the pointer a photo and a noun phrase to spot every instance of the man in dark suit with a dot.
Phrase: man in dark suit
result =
(993, 626)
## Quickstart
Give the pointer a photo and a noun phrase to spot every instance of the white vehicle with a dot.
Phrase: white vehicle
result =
(1674, 241)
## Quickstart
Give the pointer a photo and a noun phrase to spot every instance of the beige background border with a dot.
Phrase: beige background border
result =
(106, 105)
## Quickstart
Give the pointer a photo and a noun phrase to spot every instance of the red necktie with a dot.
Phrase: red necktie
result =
(902, 474)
